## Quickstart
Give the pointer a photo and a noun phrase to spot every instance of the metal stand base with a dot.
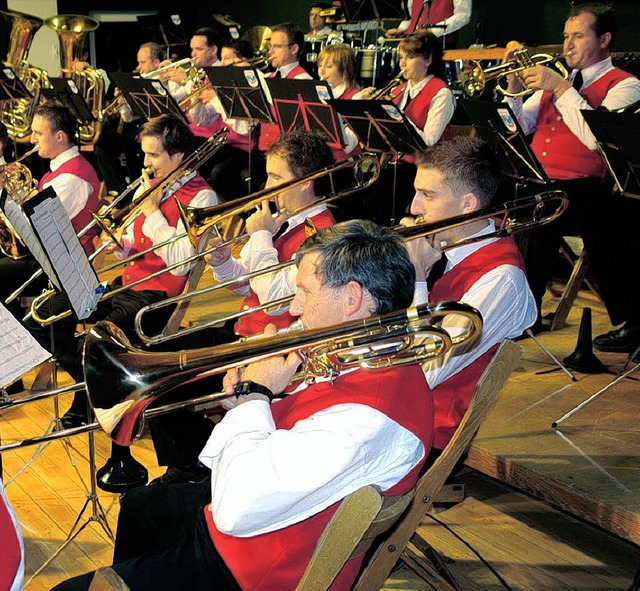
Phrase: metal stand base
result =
(550, 354)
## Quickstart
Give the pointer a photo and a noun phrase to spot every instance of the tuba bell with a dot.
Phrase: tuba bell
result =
(71, 30)
(17, 114)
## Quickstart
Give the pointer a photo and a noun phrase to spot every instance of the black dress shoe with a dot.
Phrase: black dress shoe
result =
(191, 473)
(71, 419)
(625, 339)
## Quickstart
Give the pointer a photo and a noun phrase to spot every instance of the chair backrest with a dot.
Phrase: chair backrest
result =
(365, 515)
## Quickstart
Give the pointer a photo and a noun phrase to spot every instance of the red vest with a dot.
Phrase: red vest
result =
(10, 552)
(80, 167)
(276, 560)
(269, 132)
(452, 397)
(286, 246)
(151, 262)
(440, 10)
(561, 153)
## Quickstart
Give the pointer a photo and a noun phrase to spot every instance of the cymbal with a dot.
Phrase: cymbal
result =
(258, 36)
(225, 21)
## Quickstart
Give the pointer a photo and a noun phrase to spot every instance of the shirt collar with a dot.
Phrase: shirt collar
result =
(414, 89)
(339, 90)
(296, 220)
(65, 156)
(457, 254)
(594, 71)
(284, 70)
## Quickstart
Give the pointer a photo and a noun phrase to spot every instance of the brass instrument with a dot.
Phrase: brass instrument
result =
(384, 91)
(71, 30)
(187, 61)
(20, 186)
(540, 209)
(115, 222)
(121, 381)
(17, 114)
(473, 78)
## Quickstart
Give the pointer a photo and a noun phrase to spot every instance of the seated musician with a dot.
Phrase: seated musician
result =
(318, 23)
(279, 469)
(456, 177)
(165, 141)
(293, 155)
(75, 181)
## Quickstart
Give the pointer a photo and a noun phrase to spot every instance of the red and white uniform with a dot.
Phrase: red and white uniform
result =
(562, 140)
(262, 252)
(77, 185)
(488, 275)
(11, 547)
(279, 470)
(269, 132)
(160, 226)
(352, 147)
(454, 14)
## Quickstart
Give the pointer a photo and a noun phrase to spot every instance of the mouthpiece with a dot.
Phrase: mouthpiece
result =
(568, 54)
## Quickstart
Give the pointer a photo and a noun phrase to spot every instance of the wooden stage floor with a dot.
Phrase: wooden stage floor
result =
(545, 508)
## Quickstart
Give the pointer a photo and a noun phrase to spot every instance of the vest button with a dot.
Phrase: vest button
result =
(544, 153)
(245, 307)
(132, 263)
(127, 277)
(553, 129)
(547, 141)
(142, 240)
(559, 118)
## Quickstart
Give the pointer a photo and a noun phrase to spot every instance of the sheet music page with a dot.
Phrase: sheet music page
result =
(20, 351)
(23, 228)
(58, 237)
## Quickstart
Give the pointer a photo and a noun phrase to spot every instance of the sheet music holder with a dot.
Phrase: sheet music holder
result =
(147, 97)
(46, 230)
(380, 126)
(65, 91)
(497, 125)
(305, 104)
(370, 10)
(240, 92)
(11, 87)
(617, 137)
(168, 33)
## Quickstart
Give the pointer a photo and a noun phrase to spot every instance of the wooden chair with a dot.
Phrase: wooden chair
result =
(106, 579)
(363, 516)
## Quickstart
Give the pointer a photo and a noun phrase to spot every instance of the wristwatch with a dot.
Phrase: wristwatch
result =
(247, 387)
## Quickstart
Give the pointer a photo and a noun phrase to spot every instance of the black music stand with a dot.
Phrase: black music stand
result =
(374, 10)
(305, 104)
(167, 32)
(617, 137)
(11, 87)
(65, 91)
(147, 97)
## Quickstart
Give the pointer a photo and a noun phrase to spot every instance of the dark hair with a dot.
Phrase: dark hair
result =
(604, 15)
(426, 45)
(4, 136)
(321, 5)
(155, 51)
(176, 136)
(467, 164)
(241, 47)
(60, 118)
(213, 38)
(294, 35)
(304, 152)
(374, 256)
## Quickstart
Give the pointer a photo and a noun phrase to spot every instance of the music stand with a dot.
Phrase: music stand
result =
(617, 137)
(11, 87)
(305, 104)
(167, 33)
(369, 10)
(147, 97)
(65, 91)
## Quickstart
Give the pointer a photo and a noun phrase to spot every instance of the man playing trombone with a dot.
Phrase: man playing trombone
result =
(165, 140)
(280, 469)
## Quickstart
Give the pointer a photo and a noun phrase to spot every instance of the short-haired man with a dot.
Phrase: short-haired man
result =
(568, 151)
(317, 23)
(280, 469)
(456, 177)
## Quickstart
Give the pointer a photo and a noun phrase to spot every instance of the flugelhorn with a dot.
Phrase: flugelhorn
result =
(473, 78)
(535, 210)
(121, 381)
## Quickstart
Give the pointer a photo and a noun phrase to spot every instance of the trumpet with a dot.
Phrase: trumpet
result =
(121, 381)
(538, 210)
(384, 91)
(187, 61)
(473, 78)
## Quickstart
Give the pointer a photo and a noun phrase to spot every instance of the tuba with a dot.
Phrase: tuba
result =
(71, 30)
(17, 114)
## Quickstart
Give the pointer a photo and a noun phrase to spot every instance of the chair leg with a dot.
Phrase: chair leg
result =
(428, 565)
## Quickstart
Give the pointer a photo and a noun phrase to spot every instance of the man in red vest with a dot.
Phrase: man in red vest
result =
(440, 17)
(568, 151)
(459, 177)
(280, 469)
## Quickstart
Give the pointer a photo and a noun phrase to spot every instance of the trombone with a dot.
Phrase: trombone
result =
(122, 381)
(542, 208)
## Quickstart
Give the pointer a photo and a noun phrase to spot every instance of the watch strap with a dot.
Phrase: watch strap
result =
(247, 387)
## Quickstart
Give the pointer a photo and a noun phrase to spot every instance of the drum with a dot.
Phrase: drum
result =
(377, 65)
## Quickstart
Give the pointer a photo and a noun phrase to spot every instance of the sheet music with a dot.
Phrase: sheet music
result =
(23, 228)
(20, 351)
(58, 237)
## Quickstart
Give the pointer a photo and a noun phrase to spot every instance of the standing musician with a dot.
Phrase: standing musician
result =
(446, 17)
(165, 141)
(456, 177)
(279, 470)
(54, 132)
(293, 155)
(567, 149)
